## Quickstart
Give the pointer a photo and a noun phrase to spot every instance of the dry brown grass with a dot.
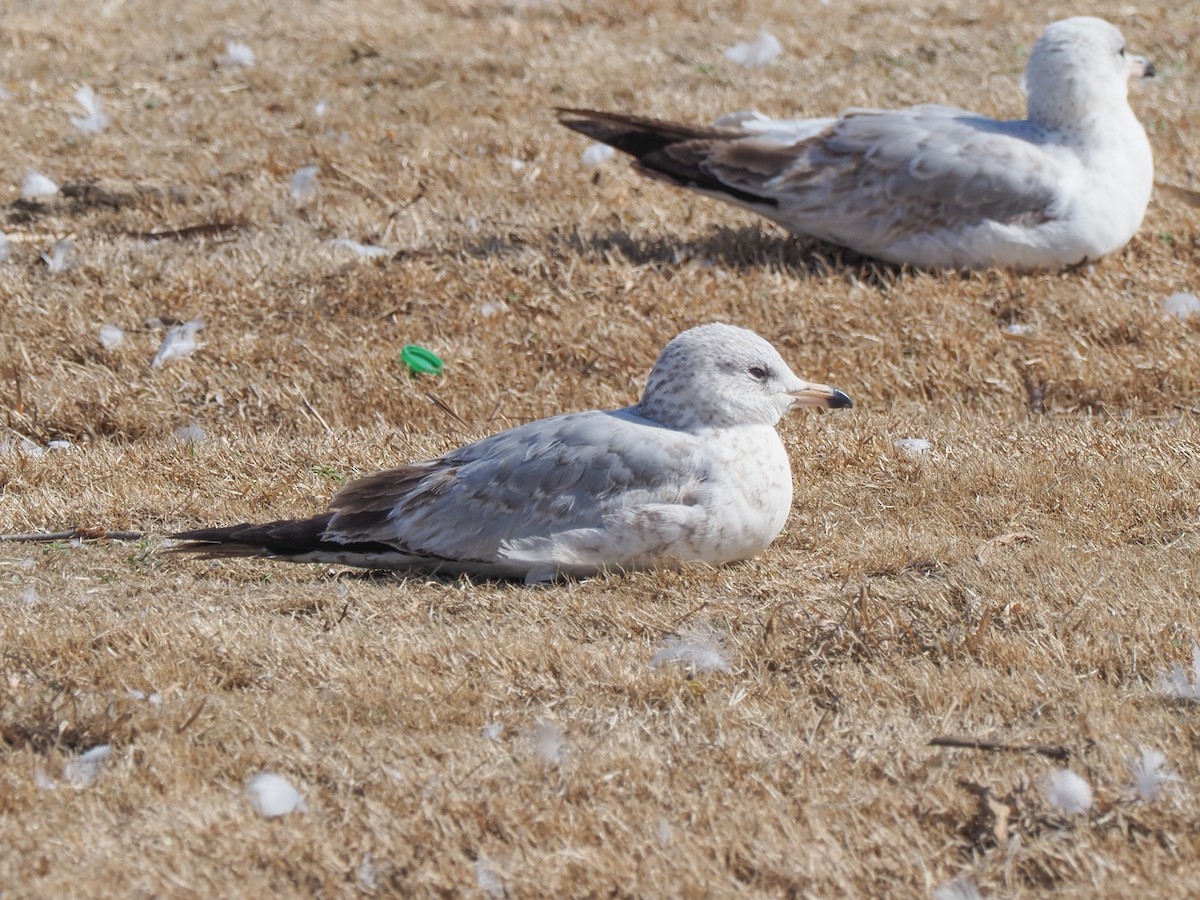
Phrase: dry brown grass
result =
(882, 617)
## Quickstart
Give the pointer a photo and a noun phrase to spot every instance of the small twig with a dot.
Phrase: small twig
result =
(1061, 626)
(976, 636)
(458, 782)
(495, 411)
(329, 626)
(83, 534)
(409, 202)
(313, 410)
(1037, 394)
(193, 717)
(207, 229)
(687, 615)
(1054, 751)
(446, 408)
(829, 632)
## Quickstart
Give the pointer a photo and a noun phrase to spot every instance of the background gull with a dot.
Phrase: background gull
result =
(934, 186)
(694, 472)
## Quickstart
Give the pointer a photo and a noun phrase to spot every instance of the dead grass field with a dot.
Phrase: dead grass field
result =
(897, 606)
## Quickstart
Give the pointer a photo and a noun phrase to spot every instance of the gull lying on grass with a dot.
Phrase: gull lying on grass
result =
(934, 186)
(694, 472)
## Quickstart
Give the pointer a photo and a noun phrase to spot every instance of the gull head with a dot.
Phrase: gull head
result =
(1078, 68)
(721, 376)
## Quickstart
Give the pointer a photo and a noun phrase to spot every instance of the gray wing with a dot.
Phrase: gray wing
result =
(875, 178)
(520, 487)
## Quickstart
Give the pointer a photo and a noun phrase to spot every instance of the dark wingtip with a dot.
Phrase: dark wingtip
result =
(840, 400)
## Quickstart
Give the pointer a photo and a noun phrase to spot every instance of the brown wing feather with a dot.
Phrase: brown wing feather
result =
(364, 505)
(681, 154)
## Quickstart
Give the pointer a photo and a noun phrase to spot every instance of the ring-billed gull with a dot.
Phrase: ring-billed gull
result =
(694, 472)
(933, 186)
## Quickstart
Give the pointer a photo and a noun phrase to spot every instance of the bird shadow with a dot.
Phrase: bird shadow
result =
(738, 249)
(390, 577)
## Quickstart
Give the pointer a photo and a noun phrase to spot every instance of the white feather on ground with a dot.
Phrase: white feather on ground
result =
(549, 743)
(913, 446)
(96, 119)
(761, 51)
(85, 769)
(37, 185)
(303, 183)
(272, 795)
(1149, 776)
(957, 889)
(1182, 305)
(18, 443)
(699, 650)
(597, 154)
(370, 251)
(177, 343)
(61, 257)
(1178, 683)
(488, 881)
(1067, 793)
(190, 434)
(368, 873)
(237, 54)
(111, 336)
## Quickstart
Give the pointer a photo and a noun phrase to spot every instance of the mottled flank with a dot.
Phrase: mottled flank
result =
(934, 186)
(694, 473)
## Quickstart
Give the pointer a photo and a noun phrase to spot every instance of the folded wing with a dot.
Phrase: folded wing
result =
(868, 180)
(514, 497)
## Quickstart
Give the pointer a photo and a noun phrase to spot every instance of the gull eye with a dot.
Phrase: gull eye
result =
(758, 373)
(1122, 52)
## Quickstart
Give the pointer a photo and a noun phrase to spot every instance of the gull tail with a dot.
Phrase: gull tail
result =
(291, 540)
(684, 155)
(304, 541)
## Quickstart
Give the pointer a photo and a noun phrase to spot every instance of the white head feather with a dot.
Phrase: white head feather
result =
(721, 376)
(1078, 68)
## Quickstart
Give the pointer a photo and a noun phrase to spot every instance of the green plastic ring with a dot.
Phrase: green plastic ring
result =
(420, 360)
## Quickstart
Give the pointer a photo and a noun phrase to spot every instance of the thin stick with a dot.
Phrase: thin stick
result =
(313, 410)
(83, 534)
(193, 717)
(329, 626)
(350, 176)
(687, 615)
(1054, 751)
(447, 409)
(207, 229)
